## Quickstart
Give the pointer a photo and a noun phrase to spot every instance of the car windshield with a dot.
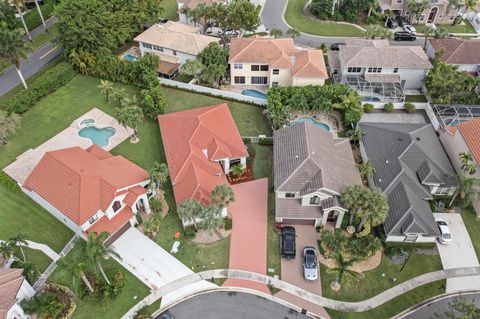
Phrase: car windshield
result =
(441, 222)
(447, 236)
(310, 261)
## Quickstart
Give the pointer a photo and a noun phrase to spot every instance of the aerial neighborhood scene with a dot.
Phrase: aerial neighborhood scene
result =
(237, 159)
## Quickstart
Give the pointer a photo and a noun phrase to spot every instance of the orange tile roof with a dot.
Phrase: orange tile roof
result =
(309, 64)
(470, 131)
(10, 282)
(112, 225)
(193, 141)
(133, 194)
(81, 182)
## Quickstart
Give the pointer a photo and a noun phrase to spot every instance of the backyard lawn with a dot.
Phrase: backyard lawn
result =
(472, 223)
(37, 258)
(459, 28)
(308, 24)
(169, 9)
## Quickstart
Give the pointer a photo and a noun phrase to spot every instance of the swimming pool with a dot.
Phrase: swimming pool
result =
(370, 99)
(98, 136)
(255, 93)
(130, 57)
(314, 122)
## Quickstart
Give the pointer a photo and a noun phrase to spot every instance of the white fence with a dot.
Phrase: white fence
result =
(214, 92)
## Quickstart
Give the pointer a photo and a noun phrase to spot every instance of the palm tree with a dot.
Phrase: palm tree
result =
(95, 250)
(293, 33)
(376, 31)
(19, 4)
(334, 241)
(428, 31)
(76, 269)
(372, 5)
(353, 199)
(468, 190)
(374, 212)
(194, 14)
(7, 250)
(13, 48)
(343, 267)
(19, 240)
(366, 169)
(81, 60)
(131, 115)
(106, 88)
(158, 176)
(470, 5)
(388, 14)
(222, 196)
(189, 211)
(212, 219)
(468, 164)
(40, 13)
(356, 135)
(276, 33)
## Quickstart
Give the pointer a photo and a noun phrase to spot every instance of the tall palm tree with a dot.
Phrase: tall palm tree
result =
(158, 175)
(343, 267)
(374, 213)
(212, 219)
(189, 211)
(106, 88)
(468, 190)
(276, 33)
(19, 241)
(96, 250)
(76, 268)
(81, 60)
(13, 48)
(194, 14)
(132, 116)
(222, 196)
(428, 31)
(353, 198)
(468, 163)
(366, 169)
(40, 13)
(19, 4)
(293, 33)
(7, 250)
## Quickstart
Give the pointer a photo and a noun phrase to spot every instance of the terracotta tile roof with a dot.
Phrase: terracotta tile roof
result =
(81, 182)
(176, 36)
(112, 225)
(470, 131)
(133, 194)
(193, 141)
(309, 64)
(458, 51)
(10, 282)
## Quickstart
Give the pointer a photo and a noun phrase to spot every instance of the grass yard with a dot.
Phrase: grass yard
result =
(459, 28)
(37, 258)
(416, 98)
(308, 24)
(133, 291)
(472, 223)
(374, 283)
(169, 9)
(396, 305)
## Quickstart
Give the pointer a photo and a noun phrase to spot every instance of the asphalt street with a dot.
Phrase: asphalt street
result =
(439, 307)
(232, 305)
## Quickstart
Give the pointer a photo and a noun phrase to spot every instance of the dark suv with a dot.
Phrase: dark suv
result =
(288, 242)
(404, 36)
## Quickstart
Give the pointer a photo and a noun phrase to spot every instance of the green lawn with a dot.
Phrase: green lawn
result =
(297, 20)
(36, 257)
(374, 283)
(396, 305)
(465, 28)
(416, 98)
(472, 223)
(133, 291)
(170, 9)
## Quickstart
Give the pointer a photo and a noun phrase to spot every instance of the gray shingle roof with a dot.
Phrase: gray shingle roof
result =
(404, 157)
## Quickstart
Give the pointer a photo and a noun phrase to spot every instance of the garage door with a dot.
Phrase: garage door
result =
(299, 221)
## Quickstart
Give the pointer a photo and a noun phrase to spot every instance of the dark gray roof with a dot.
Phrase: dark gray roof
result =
(307, 158)
(407, 157)
(292, 208)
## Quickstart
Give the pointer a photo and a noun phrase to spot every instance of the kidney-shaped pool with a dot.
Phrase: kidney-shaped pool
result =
(98, 136)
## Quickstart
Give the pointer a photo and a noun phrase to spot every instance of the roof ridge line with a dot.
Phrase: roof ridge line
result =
(455, 51)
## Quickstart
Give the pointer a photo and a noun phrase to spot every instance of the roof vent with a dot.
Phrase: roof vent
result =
(387, 162)
(296, 156)
(218, 174)
(379, 180)
(293, 59)
(418, 138)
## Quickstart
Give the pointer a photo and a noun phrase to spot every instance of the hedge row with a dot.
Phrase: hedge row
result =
(9, 183)
(45, 84)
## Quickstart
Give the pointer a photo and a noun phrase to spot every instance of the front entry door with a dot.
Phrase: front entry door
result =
(432, 15)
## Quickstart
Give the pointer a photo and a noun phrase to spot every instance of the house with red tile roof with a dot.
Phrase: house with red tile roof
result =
(271, 62)
(13, 289)
(201, 146)
(465, 54)
(463, 138)
(89, 190)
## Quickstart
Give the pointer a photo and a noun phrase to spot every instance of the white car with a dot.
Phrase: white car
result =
(410, 29)
(445, 235)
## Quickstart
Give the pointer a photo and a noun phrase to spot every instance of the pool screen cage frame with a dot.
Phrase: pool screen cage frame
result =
(454, 114)
(386, 92)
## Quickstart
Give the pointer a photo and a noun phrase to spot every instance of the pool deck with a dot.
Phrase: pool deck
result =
(26, 162)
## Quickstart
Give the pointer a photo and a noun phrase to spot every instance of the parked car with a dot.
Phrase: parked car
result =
(288, 242)
(391, 23)
(410, 29)
(336, 46)
(404, 36)
(227, 32)
(445, 235)
(401, 21)
(310, 268)
(165, 315)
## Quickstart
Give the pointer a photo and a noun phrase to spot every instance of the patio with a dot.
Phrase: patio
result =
(69, 137)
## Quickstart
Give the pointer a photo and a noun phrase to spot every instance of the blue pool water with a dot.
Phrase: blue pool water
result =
(370, 99)
(255, 93)
(312, 121)
(98, 136)
(130, 57)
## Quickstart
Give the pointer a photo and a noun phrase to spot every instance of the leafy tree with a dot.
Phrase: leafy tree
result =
(193, 68)
(96, 250)
(416, 8)
(343, 270)
(40, 13)
(194, 14)
(213, 74)
(276, 33)
(453, 4)
(158, 176)
(75, 266)
(468, 163)
(244, 16)
(19, 5)
(30, 273)
(212, 219)
(153, 102)
(190, 210)
(44, 305)
(293, 33)
(8, 126)
(13, 48)
(7, 250)
(322, 9)
(366, 169)
(467, 192)
(376, 31)
(427, 32)
(117, 95)
(130, 115)
(460, 308)
(7, 15)
(106, 88)
(352, 106)
(373, 213)
(222, 196)
(215, 60)
(470, 5)
(356, 135)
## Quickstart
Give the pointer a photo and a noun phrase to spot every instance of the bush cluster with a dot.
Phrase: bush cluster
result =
(45, 84)
(228, 223)
(9, 183)
(368, 108)
(388, 107)
(265, 141)
(32, 18)
(409, 107)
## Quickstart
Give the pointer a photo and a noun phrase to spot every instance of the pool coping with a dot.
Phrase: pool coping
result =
(330, 128)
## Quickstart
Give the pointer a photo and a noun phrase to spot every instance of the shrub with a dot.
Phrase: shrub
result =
(409, 107)
(265, 141)
(156, 205)
(388, 107)
(153, 102)
(368, 108)
(9, 183)
(45, 305)
(41, 87)
(228, 223)
(246, 140)
(143, 313)
(32, 18)
(30, 271)
(372, 20)
(250, 150)
(189, 232)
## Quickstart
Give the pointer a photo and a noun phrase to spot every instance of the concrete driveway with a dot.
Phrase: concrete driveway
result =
(154, 265)
(292, 271)
(460, 253)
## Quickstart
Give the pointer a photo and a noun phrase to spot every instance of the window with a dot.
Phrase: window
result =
(399, 1)
(263, 67)
(443, 191)
(93, 219)
(410, 238)
(174, 52)
(395, 70)
(422, 17)
(354, 70)
(374, 70)
(157, 48)
(289, 195)
(255, 68)
(116, 206)
(274, 84)
(275, 71)
(239, 80)
(146, 45)
(451, 18)
(259, 80)
(238, 66)
(315, 200)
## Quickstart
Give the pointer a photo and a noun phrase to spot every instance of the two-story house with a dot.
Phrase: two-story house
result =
(410, 168)
(271, 62)
(311, 169)
(89, 190)
(437, 13)
(201, 146)
(13, 289)
(464, 54)
(378, 71)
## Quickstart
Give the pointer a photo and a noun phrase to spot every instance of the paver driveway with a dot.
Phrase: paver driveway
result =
(248, 245)
(460, 253)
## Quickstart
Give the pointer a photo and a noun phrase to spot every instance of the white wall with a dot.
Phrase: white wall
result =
(420, 239)
(25, 291)
(182, 56)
